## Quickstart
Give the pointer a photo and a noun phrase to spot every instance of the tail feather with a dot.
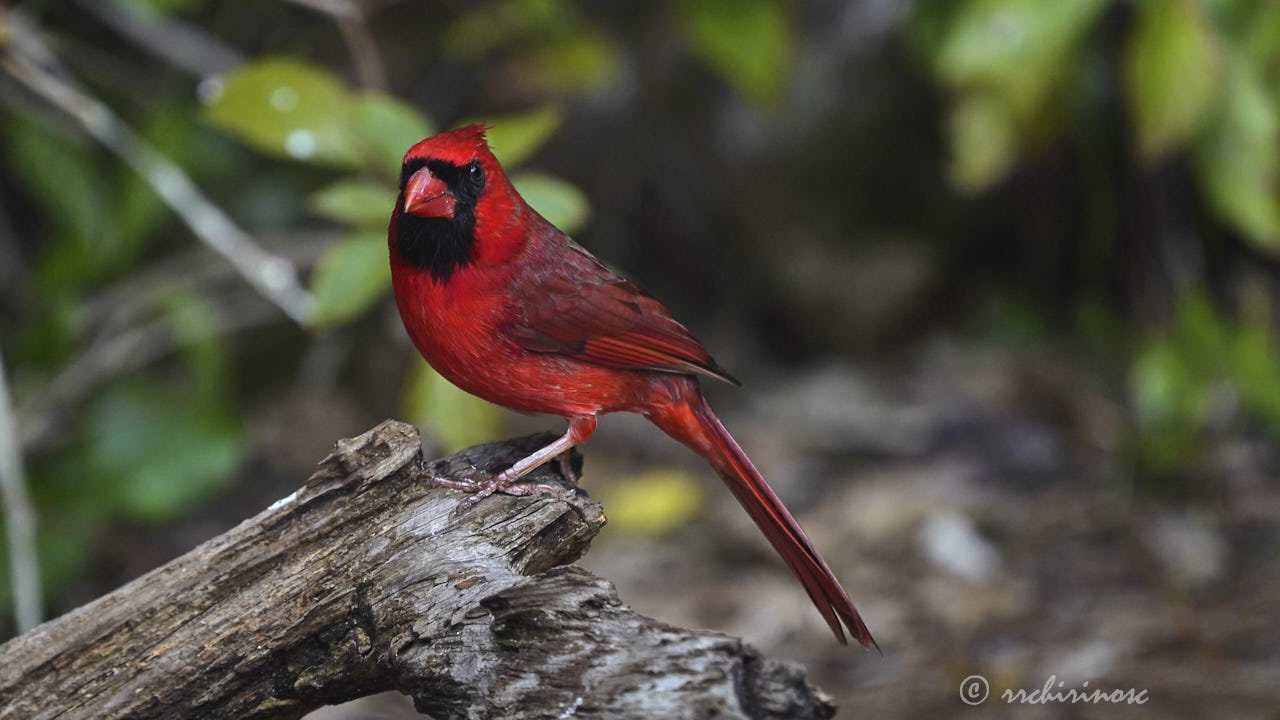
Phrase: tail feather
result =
(695, 425)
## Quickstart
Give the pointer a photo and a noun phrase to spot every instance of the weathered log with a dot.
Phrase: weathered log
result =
(362, 581)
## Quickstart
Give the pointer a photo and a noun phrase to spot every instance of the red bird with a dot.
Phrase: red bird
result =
(509, 308)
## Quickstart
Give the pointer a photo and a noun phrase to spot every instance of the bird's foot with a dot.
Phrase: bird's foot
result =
(506, 483)
(566, 467)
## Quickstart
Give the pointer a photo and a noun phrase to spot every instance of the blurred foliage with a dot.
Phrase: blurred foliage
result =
(160, 8)
(653, 502)
(350, 277)
(1189, 380)
(1174, 75)
(748, 42)
(151, 450)
(152, 445)
(1199, 77)
(155, 454)
(1197, 83)
(549, 46)
(288, 108)
(1008, 63)
(514, 138)
(1066, 129)
(458, 418)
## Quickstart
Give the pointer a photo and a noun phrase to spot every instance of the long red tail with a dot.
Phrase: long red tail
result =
(694, 424)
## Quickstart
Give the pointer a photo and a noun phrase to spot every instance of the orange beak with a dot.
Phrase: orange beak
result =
(427, 196)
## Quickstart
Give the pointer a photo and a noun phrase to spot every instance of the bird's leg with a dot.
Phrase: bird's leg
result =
(566, 467)
(580, 428)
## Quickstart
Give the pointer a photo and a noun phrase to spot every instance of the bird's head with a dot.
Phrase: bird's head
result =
(455, 206)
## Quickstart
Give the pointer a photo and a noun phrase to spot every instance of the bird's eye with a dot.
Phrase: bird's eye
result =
(476, 173)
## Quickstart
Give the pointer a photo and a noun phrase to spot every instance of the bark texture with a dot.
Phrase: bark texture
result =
(362, 582)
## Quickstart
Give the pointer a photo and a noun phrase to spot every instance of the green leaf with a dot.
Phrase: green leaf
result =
(545, 43)
(748, 42)
(387, 127)
(1013, 44)
(560, 202)
(1238, 158)
(155, 9)
(984, 142)
(1169, 402)
(287, 107)
(653, 502)
(63, 553)
(1261, 30)
(1173, 68)
(457, 417)
(585, 61)
(1163, 387)
(1255, 369)
(53, 334)
(359, 203)
(1180, 380)
(1012, 64)
(513, 138)
(349, 278)
(195, 325)
(63, 177)
(482, 31)
(86, 198)
(62, 556)
(159, 455)
(1202, 332)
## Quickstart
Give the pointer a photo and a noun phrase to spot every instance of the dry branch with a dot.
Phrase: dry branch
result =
(19, 518)
(362, 582)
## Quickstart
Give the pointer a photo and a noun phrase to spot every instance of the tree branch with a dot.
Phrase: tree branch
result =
(19, 518)
(362, 581)
(168, 38)
(355, 33)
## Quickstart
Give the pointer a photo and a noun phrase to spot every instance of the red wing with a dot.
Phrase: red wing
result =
(601, 318)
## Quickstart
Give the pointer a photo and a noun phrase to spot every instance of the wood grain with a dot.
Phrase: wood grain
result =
(362, 582)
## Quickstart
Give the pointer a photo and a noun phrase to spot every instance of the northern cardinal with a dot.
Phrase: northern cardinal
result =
(509, 308)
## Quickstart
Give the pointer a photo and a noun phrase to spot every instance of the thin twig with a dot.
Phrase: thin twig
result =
(19, 519)
(118, 315)
(125, 351)
(271, 275)
(179, 43)
(134, 294)
(355, 32)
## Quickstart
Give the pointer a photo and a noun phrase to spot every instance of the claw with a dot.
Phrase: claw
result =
(580, 428)
(502, 485)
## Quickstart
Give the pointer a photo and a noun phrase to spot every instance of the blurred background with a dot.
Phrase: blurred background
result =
(1000, 277)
